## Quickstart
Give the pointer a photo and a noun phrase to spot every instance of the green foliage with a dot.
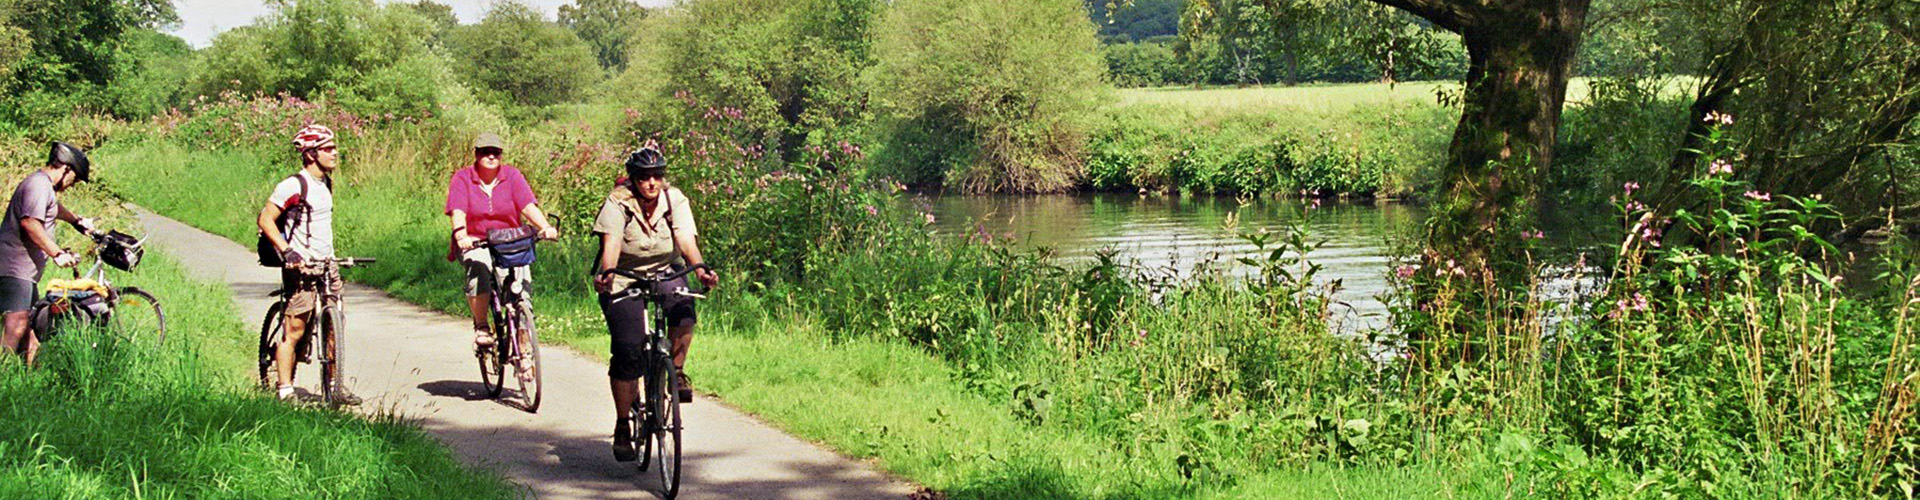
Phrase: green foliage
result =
(515, 57)
(312, 48)
(58, 57)
(606, 25)
(1137, 21)
(1012, 83)
(789, 70)
(1383, 151)
(1140, 64)
(152, 75)
(438, 15)
(1245, 42)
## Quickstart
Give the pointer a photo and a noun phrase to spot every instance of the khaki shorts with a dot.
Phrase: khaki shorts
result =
(305, 298)
(478, 264)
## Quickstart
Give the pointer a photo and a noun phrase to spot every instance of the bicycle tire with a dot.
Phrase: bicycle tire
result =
(492, 360)
(669, 435)
(330, 353)
(646, 410)
(530, 359)
(130, 314)
(639, 434)
(273, 330)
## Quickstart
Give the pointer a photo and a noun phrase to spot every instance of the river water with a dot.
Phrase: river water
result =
(1177, 233)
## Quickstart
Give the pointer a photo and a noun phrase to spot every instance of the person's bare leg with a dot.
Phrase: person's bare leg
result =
(287, 354)
(33, 347)
(682, 337)
(479, 305)
(625, 392)
(13, 339)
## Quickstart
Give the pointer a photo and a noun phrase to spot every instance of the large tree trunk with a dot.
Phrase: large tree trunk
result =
(1520, 54)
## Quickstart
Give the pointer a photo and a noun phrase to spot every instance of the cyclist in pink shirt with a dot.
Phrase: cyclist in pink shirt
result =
(487, 195)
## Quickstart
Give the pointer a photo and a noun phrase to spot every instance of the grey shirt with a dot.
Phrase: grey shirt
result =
(33, 198)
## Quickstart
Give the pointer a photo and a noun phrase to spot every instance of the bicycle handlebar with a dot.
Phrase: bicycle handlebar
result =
(343, 262)
(644, 284)
(657, 277)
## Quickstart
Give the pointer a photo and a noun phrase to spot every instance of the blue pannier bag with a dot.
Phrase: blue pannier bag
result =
(512, 247)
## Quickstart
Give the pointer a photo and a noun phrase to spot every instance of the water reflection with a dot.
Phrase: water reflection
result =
(1178, 233)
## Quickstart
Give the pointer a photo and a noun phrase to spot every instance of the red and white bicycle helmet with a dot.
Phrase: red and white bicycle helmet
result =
(312, 137)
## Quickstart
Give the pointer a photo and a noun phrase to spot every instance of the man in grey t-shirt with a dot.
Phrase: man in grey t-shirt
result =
(26, 241)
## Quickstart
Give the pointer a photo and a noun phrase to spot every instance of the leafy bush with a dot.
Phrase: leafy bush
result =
(1140, 64)
(1014, 83)
(789, 69)
(516, 57)
(310, 48)
(1386, 151)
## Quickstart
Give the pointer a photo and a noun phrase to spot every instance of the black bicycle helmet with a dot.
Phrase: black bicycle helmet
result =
(644, 159)
(72, 157)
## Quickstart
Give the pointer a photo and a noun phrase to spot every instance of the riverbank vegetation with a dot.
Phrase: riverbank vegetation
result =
(102, 416)
(1729, 332)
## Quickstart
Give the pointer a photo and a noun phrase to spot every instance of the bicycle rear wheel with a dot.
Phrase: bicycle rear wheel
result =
(667, 437)
(136, 314)
(273, 329)
(529, 359)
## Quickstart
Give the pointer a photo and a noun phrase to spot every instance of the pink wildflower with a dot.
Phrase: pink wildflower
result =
(1717, 117)
(929, 218)
(1631, 186)
(1407, 271)
(1719, 167)
(871, 211)
(1759, 196)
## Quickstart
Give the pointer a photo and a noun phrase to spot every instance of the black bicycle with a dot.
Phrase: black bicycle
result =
(329, 319)
(655, 416)
(91, 300)
(515, 341)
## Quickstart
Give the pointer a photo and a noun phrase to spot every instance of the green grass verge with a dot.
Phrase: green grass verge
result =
(102, 418)
(864, 397)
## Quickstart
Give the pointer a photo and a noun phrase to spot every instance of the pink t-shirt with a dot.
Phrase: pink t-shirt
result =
(511, 194)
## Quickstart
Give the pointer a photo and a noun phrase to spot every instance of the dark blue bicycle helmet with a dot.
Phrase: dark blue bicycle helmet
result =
(645, 159)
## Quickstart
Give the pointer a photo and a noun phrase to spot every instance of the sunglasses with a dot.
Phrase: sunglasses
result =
(651, 174)
(487, 152)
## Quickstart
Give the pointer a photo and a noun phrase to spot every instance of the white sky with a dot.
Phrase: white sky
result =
(200, 20)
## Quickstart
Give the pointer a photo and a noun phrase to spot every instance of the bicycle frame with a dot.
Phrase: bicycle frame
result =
(653, 421)
(323, 329)
(42, 306)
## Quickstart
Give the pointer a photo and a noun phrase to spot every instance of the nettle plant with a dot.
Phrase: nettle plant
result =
(783, 214)
(1724, 352)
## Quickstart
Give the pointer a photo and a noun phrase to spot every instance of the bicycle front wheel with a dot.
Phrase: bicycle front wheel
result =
(136, 314)
(667, 437)
(529, 360)
(331, 352)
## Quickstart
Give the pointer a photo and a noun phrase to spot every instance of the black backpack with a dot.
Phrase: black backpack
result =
(284, 224)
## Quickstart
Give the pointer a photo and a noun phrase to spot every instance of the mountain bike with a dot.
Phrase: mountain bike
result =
(91, 300)
(328, 320)
(654, 418)
(515, 341)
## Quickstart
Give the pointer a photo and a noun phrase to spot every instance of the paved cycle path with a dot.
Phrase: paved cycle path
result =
(418, 364)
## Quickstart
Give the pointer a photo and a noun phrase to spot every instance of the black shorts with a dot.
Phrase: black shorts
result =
(628, 329)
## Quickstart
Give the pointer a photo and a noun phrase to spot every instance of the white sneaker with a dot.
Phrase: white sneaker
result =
(286, 392)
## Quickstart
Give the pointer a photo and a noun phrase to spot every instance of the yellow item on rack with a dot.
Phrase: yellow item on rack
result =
(75, 285)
